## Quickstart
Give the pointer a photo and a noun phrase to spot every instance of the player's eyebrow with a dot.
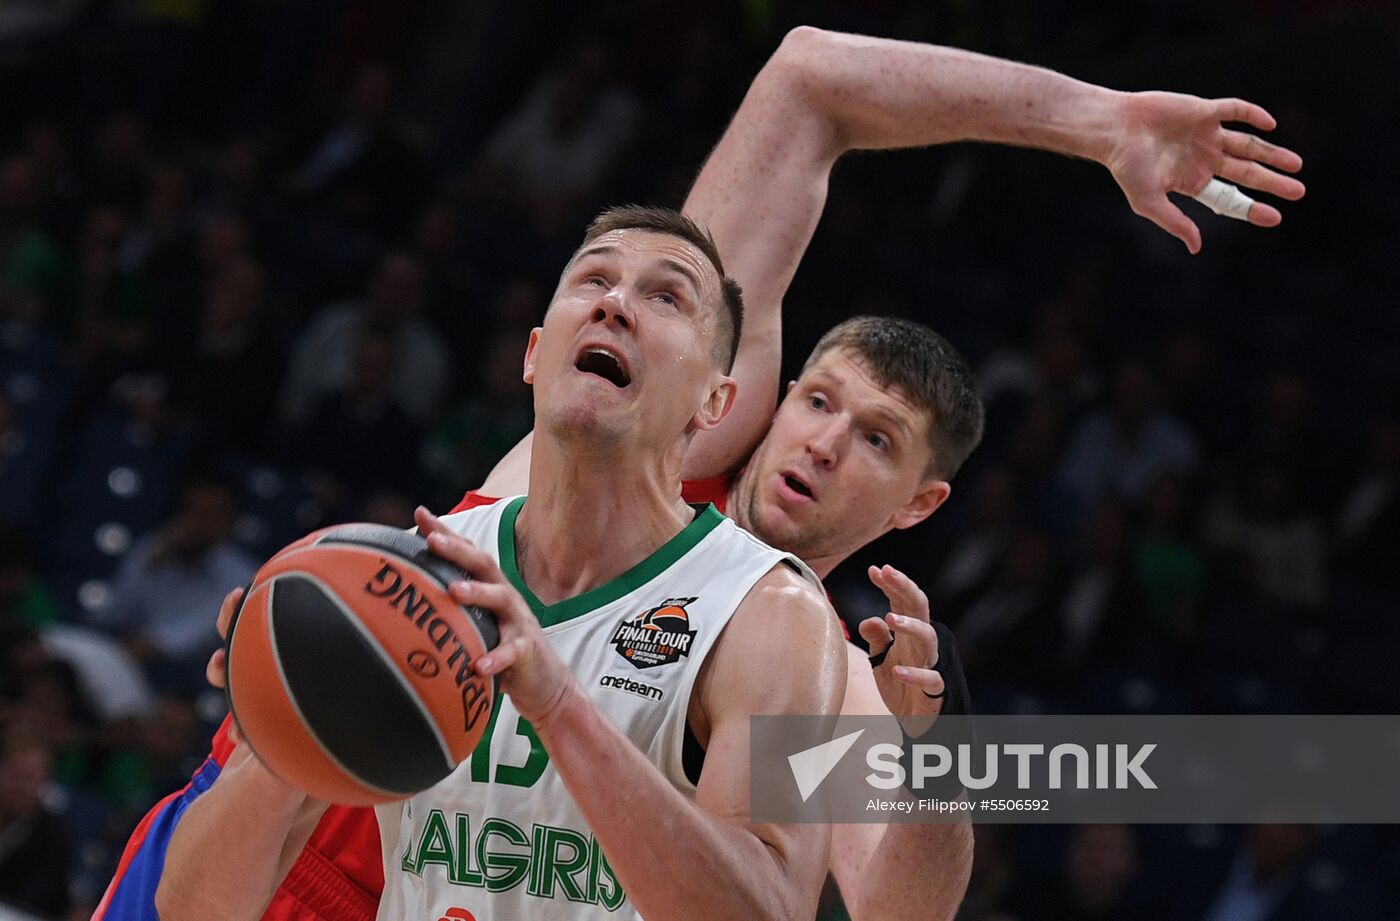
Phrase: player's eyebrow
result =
(888, 416)
(602, 249)
(680, 268)
(685, 272)
(894, 420)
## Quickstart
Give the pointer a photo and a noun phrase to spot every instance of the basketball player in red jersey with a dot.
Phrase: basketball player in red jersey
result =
(761, 194)
(884, 411)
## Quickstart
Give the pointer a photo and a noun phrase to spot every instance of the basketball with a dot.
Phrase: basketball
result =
(350, 666)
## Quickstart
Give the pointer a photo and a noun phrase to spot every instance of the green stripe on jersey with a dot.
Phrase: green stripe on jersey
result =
(608, 592)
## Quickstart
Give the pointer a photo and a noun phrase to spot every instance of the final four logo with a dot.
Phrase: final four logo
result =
(658, 636)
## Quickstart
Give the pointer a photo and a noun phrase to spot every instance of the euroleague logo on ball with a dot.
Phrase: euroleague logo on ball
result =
(423, 664)
(657, 636)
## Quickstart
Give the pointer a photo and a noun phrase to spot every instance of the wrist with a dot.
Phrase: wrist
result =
(262, 790)
(1106, 118)
(567, 711)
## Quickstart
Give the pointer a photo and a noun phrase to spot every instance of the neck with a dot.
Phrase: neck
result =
(590, 519)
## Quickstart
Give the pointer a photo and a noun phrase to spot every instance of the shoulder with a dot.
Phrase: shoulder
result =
(783, 630)
(785, 599)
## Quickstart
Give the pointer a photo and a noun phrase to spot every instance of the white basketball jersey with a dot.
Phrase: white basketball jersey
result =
(501, 838)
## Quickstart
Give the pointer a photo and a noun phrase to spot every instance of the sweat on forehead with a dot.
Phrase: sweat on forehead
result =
(658, 220)
(646, 219)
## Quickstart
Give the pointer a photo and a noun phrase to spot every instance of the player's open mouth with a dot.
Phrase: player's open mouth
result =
(604, 363)
(797, 485)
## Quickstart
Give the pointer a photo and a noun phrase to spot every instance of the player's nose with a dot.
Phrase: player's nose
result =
(824, 444)
(613, 308)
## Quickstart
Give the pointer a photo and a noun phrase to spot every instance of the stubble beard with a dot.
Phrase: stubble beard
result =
(790, 537)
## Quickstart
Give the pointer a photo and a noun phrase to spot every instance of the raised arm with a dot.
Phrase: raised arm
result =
(762, 190)
(897, 870)
(904, 870)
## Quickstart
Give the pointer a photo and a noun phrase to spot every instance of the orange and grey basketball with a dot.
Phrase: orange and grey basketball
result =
(350, 667)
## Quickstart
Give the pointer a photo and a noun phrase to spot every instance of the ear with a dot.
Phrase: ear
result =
(717, 405)
(931, 494)
(531, 353)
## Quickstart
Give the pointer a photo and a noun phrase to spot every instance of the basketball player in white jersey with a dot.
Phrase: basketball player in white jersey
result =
(627, 619)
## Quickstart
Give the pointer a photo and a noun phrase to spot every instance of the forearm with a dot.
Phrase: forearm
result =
(763, 188)
(679, 863)
(233, 845)
(902, 870)
(880, 93)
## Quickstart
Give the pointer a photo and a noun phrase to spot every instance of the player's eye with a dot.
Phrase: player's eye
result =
(878, 441)
(666, 299)
(817, 402)
(596, 281)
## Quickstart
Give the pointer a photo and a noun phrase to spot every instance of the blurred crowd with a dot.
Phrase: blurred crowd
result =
(265, 266)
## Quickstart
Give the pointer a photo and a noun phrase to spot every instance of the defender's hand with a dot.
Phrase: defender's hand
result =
(532, 673)
(909, 684)
(217, 669)
(1170, 142)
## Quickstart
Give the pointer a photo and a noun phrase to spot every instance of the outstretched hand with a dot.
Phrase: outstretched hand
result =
(908, 681)
(1170, 142)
